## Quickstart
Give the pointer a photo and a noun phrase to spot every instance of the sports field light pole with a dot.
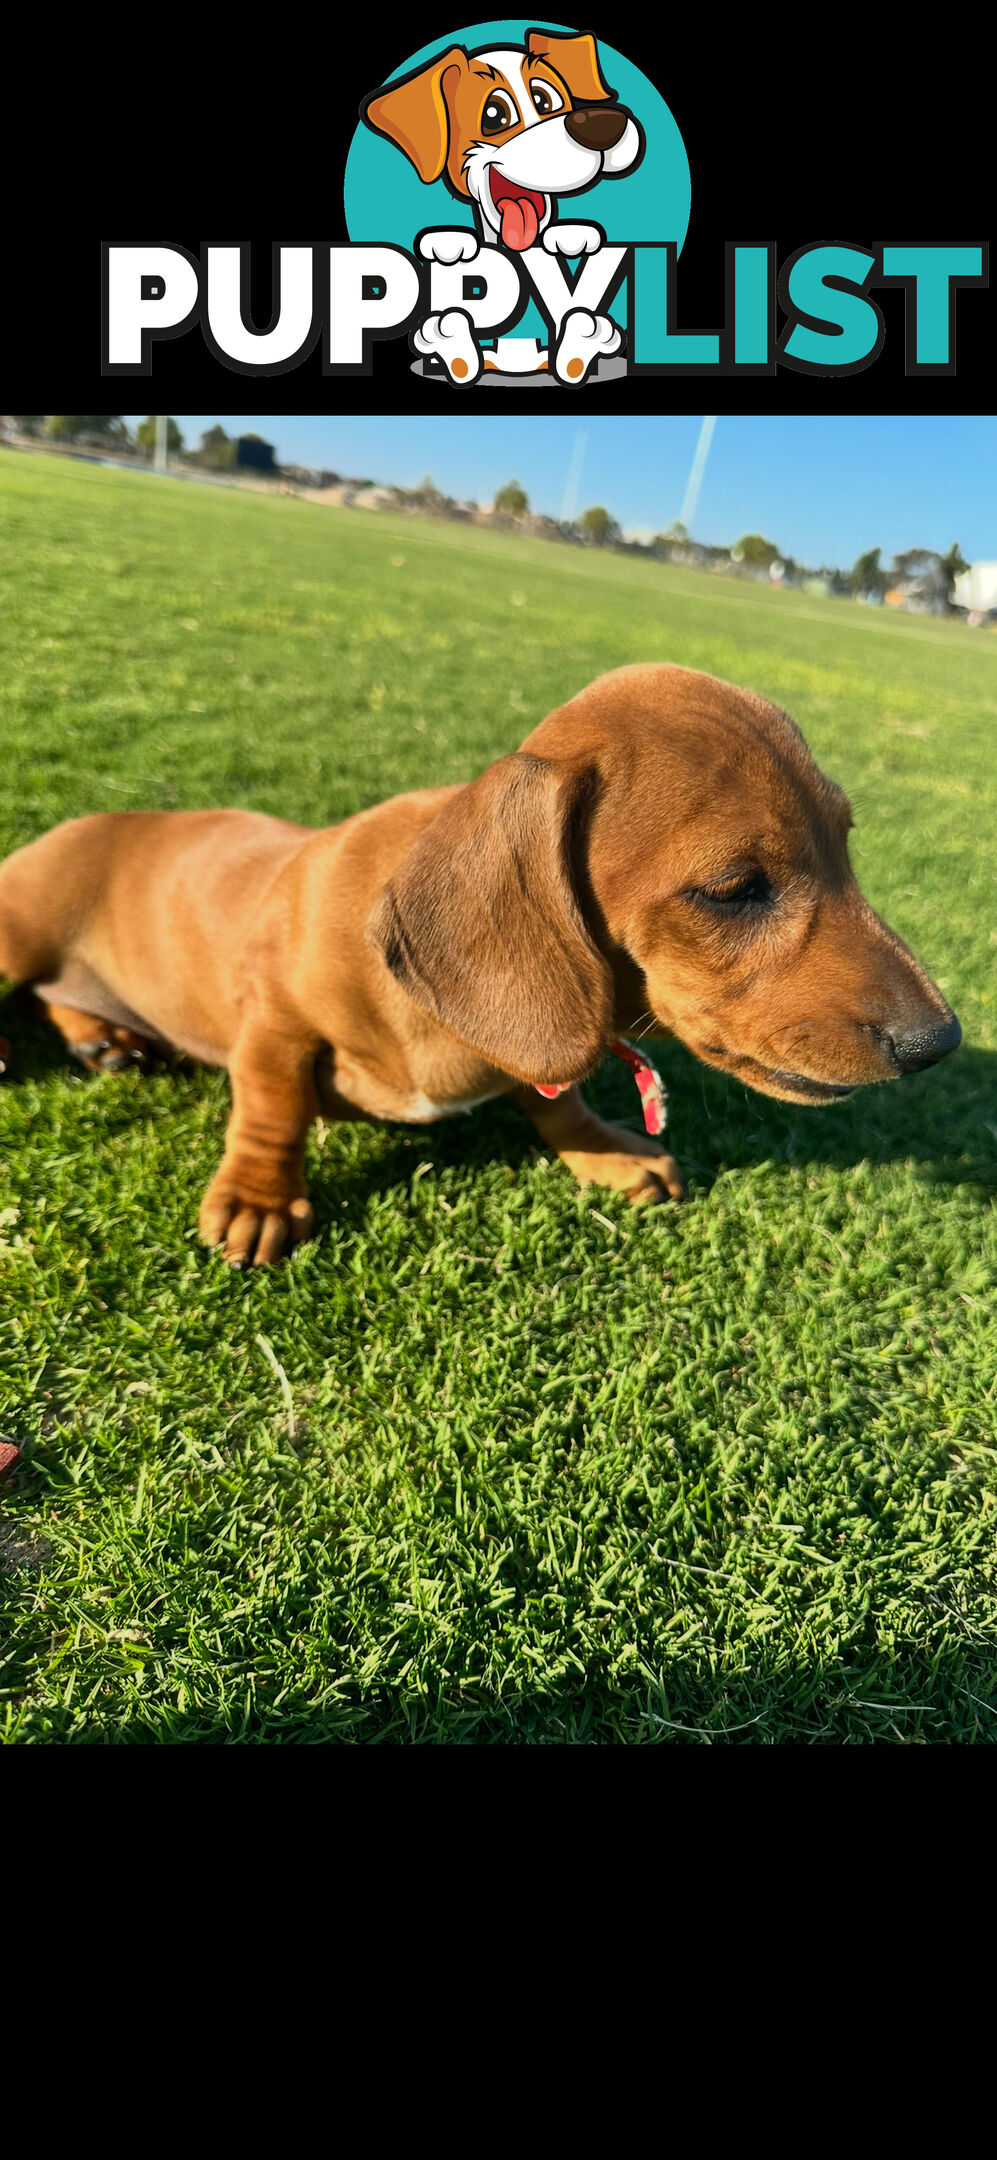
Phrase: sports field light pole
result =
(697, 469)
(161, 442)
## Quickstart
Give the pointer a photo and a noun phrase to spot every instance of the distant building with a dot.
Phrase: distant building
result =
(258, 456)
(976, 589)
(308, 476)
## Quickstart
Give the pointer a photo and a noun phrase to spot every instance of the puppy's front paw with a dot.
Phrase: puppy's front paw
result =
(627, 1162)
(448, 247)
(584, 339)
(450, 338)
(252, 1232)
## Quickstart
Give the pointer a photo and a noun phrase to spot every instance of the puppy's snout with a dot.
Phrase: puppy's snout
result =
(597, 127)
(912, 1048)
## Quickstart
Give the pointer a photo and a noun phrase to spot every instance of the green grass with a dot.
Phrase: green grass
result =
(494, 1459)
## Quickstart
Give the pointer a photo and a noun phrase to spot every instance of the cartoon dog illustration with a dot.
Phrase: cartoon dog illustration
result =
(511, 131)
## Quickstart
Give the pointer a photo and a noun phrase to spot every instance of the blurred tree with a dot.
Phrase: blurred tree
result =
(216, 449)
(753, 549)
(867, 575)
(598, 527)
(672, 542)
(952, 566)
(512, 500)
(913, 562)
(68, 427)
(145, 436)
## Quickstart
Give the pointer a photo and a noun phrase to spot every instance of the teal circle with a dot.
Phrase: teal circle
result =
(385, 199)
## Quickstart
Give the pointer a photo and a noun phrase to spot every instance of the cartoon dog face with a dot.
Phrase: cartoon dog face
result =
(509, 130)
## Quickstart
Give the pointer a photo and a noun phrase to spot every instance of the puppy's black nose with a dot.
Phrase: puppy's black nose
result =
(913, 1048)
(596, 127)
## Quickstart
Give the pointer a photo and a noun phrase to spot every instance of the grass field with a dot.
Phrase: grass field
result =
(495, 1458)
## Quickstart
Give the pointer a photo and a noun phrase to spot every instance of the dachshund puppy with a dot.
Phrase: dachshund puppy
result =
(662, 854)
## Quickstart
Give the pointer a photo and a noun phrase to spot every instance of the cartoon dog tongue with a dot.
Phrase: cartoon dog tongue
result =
(520, 223)
(520, 210)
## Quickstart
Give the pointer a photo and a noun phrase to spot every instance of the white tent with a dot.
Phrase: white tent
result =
(977, 588)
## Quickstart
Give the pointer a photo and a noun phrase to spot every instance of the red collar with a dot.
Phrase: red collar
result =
(654, 1101)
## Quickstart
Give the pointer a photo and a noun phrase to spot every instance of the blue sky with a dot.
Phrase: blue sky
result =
(822, 489)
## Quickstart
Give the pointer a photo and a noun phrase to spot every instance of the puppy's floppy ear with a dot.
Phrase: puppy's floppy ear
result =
(481, 924)
(413, 113)
(576, 60)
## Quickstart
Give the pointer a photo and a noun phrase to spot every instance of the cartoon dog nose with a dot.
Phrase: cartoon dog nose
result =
(596, 127)
(914, 1048)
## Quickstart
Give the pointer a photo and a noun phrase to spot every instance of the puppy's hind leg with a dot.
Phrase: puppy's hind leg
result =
(99, 1046)
(26, 947)
(600, 1154)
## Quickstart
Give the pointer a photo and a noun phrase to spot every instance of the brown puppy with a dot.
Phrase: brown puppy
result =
(661, 853)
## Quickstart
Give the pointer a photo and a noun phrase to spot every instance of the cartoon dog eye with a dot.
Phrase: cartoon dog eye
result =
(546, 98)
(499, 113)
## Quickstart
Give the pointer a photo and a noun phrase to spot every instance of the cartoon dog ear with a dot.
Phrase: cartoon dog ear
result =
(413, 113)
(575, 59)
(481, 924)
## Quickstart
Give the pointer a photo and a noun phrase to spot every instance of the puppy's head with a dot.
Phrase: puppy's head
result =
(663, 850)
(510, 129)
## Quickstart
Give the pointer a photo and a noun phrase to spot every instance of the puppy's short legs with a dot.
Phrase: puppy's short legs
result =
(601, 1154)
(257, 1202)
(98, 1045)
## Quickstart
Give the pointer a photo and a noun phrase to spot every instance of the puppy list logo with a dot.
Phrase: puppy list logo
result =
(516, 202)
(514, 132)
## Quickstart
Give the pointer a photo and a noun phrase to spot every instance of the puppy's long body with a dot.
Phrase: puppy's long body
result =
(661, 854)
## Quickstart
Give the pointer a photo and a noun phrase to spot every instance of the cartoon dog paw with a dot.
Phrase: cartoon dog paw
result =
(584, 339)
(448, 247)
(450, 339)
(572, 239)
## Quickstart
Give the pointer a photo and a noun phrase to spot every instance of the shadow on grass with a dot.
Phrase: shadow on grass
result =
(944, 1120)
(37, 1051)
(937, 1120)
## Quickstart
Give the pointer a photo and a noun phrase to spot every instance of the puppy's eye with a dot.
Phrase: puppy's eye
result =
(740, 896)
(546, 98)
(499, 113)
